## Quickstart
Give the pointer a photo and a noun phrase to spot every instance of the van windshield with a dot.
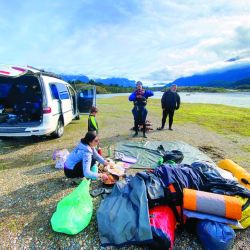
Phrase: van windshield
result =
(20, 99)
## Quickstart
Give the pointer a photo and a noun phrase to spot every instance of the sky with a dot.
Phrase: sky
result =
(147, 40)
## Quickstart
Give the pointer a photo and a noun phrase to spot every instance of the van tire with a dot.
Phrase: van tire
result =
(59, 129)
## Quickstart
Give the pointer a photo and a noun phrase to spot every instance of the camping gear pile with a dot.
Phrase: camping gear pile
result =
(147, 208)
(130, 203)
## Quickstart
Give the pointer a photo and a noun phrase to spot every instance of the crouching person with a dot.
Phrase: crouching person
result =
(81, 161)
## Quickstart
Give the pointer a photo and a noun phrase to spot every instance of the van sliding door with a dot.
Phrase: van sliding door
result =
(64, 102)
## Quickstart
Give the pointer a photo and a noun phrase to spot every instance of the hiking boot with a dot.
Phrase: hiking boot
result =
(97, 192)
(76, 181)
(170, 129)
(136, 134)
(160, 128)
(108, 190)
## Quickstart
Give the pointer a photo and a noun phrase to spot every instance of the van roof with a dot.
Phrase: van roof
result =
(16, 71)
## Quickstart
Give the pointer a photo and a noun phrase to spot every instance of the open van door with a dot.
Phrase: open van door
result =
(86, 98)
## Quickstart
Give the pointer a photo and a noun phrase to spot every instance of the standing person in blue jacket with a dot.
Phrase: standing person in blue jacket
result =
(81, 161)
(170, 102)
(139, 97)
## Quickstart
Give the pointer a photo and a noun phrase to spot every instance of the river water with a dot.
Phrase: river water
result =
(237, 99)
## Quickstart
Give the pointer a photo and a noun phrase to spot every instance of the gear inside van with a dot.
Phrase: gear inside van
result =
(20, 100)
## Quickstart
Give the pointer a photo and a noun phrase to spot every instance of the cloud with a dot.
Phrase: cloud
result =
(163, 75)
(139, 39)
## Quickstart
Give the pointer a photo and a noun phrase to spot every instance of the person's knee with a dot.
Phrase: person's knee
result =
(94, 168)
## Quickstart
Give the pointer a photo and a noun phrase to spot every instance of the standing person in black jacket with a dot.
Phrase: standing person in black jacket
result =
(170, 102)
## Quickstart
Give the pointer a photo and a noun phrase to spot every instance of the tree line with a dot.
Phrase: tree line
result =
(101, 88)
(115, 88)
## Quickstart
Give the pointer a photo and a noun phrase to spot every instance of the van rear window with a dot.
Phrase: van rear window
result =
(19, 85)
(59, 91)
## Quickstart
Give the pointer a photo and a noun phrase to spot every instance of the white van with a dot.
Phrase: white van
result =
(35, 102)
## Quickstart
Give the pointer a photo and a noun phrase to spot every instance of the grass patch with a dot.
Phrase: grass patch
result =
(246, 148)
(115, 119)
(220, 118)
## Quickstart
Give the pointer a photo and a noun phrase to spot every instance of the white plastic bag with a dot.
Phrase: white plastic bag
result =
(60, 156)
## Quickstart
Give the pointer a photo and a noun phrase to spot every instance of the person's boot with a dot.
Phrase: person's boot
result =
(136, 130)
(160, 128)
(135, 134)
(144, 131)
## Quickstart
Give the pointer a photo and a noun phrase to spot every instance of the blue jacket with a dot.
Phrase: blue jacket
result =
(147, 94)
(83, 152)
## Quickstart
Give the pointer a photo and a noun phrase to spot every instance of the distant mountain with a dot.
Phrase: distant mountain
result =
(225, 78)
(81, 78)
(119, 81)
(245, 83)
(124, 82)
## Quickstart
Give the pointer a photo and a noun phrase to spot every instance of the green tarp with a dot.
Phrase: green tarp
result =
(147, 154)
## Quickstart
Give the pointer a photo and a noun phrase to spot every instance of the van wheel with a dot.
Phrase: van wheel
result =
(59, 129)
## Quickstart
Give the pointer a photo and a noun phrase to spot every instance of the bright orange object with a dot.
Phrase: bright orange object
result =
(210, 203)
(240, 173)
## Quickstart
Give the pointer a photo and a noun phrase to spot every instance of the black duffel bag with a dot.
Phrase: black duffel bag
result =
(174, 155)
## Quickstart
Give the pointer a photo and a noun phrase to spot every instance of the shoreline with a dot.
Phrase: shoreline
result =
(234, 99)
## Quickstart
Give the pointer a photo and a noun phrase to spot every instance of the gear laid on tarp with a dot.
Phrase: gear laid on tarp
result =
(163, 223)
(214, 235)
(174, 155)
(215, 204)
(204, 216)
(148, 153)
(245, 219)
(215, 183)
(240, 173)
(182, 176)
(123, 216)
(126, 222)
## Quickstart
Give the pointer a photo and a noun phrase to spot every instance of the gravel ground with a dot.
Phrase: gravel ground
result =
(31, 187)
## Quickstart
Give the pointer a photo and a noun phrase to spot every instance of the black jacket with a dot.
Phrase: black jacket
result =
(170, 100)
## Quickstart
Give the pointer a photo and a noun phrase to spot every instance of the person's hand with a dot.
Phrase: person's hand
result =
(106, 163)
(104, 177)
